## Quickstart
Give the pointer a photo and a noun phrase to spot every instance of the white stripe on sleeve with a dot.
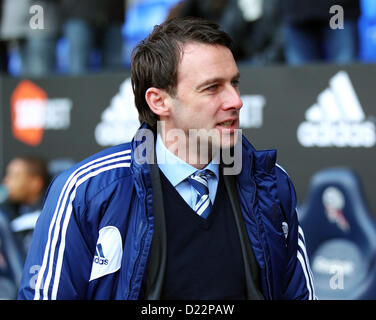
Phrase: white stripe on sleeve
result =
(59, 212)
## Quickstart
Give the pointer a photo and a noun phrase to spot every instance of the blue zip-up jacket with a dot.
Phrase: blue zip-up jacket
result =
(93, 237)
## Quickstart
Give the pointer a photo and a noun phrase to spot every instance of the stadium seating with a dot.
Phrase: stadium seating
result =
(340, 236)
(367, 31)
(140, 20)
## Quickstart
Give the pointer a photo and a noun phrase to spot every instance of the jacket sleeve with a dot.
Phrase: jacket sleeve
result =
(59, 258)
(299, 280)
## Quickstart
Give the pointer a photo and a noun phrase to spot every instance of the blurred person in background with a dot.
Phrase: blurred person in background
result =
(26, 181)
(254, 26)
(30, 40)
(309, 36)
(89, 25)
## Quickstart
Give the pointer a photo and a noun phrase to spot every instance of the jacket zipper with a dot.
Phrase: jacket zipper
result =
(142, 241)
(262, 245)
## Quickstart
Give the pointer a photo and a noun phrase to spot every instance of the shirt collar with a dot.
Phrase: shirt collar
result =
(175, 169)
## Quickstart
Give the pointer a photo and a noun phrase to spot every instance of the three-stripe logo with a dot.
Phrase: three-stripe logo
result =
(337, 118)
(99, 255)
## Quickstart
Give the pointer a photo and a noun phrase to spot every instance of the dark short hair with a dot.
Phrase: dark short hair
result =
(155, 60)
(36, 166)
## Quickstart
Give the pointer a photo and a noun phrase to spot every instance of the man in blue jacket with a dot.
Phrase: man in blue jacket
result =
(188, 209)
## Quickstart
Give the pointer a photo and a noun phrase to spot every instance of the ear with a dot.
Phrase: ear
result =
(156, 99)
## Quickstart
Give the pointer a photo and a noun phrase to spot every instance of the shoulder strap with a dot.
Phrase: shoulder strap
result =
(158, 251)
(252, 271)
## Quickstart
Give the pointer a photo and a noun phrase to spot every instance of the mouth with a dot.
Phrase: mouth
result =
(230, 125)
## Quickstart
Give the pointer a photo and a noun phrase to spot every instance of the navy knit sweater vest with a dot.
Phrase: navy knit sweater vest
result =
(204, 259)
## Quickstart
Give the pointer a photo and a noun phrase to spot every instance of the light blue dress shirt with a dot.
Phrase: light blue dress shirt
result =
(177, 170)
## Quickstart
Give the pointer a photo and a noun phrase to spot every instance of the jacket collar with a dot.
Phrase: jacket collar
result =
(255, 162)
(143, 154)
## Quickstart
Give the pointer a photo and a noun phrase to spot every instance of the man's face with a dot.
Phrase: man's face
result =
(18, 181)
(207, 95)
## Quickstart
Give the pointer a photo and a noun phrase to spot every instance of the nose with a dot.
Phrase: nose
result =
(232, 99)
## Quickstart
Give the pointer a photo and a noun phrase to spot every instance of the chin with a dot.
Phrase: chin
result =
(228, 140)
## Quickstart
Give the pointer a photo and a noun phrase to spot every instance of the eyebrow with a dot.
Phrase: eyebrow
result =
(216, 79)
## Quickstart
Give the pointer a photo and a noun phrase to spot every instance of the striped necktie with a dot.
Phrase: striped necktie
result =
(199, 181)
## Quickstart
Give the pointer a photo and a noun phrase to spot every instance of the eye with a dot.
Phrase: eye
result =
(212, 88)
(235, 83)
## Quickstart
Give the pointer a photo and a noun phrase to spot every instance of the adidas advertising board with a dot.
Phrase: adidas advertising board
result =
(119, 121)
(316, 116)
(337, 118)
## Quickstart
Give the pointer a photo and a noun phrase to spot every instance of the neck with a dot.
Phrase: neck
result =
(189, 149)
(189, 152)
